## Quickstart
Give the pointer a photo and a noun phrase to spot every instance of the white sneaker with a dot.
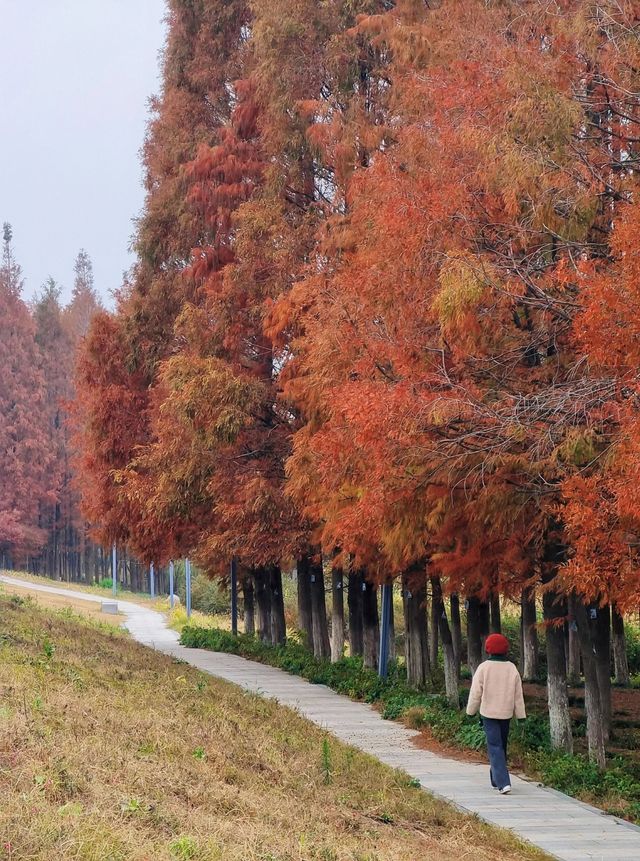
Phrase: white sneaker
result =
(505, 790)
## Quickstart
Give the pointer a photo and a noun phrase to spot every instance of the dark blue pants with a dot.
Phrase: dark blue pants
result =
(497, 733)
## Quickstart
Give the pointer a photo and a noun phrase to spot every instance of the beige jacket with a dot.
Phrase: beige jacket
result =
(496, 690)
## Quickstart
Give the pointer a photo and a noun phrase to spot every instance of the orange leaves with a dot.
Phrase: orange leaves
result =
(393, 221)
(609, 327)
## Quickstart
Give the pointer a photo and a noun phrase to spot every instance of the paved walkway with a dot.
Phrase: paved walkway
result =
(565, 828)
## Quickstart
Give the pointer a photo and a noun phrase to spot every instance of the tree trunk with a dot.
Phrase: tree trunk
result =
(416, 648)
(496, 621)
(529, 619)
(484, 611)
(263, 600)
(433, 634)
(596, 729)
(620, 659)
(392, 629)
(278, 623)
(249, 605)
(337, 614)
(354, 596)
(371, 624)
(558, 698)
(573, 645)
(305, 612)
(456, 629)
(451, 677)
(474, 635)
(602, 641)
(320, 629)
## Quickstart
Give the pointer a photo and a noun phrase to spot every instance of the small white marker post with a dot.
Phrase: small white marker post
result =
(171, 574)
(152, 581)
(114, 570)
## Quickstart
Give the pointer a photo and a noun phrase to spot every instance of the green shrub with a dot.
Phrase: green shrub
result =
(214, 639)
(470, 735)
(106, 583)
(633, 648)
(399, 704)
(532, 733)
(183, 848)
(207, 596)
(348, 676)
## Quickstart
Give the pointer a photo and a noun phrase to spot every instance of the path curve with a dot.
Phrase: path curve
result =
(562, 826)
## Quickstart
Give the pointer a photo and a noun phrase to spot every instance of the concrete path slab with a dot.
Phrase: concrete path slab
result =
(565, 828)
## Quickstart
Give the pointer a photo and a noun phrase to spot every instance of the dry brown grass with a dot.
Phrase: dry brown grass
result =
(124, 595)
(88, 609)
(109, 752)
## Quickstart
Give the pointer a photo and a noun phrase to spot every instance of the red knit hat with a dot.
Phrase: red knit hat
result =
(496, 644)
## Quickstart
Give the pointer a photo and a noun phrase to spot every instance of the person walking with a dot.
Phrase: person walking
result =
(496, 691)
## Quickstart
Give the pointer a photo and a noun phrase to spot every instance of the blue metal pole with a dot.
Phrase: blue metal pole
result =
(234, 597)
(187, 568)
(387, 597)
(152, 581)
(114, 570)
(171, 575)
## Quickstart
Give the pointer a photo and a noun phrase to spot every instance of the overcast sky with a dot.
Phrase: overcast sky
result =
(75, 79)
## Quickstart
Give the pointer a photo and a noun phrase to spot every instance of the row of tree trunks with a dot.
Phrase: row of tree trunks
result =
(590, 627)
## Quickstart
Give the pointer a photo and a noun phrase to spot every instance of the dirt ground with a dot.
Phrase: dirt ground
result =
(626, 716)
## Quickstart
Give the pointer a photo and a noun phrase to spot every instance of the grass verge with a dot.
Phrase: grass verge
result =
(111, 752)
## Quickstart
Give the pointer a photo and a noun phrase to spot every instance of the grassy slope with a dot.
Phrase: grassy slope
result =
(109, 751)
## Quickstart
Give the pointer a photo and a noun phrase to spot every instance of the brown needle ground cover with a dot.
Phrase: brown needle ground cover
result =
(109, 752)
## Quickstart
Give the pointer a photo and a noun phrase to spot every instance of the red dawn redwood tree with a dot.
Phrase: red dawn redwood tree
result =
(25, 451)
(56, 361)
(434, 348)
(198, 65)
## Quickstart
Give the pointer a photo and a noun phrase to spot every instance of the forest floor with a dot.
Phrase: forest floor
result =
(112, 752)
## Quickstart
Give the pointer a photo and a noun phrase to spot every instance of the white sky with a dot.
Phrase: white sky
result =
(75, 79)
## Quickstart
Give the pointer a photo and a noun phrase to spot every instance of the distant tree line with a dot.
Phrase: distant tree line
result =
(41, 526)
